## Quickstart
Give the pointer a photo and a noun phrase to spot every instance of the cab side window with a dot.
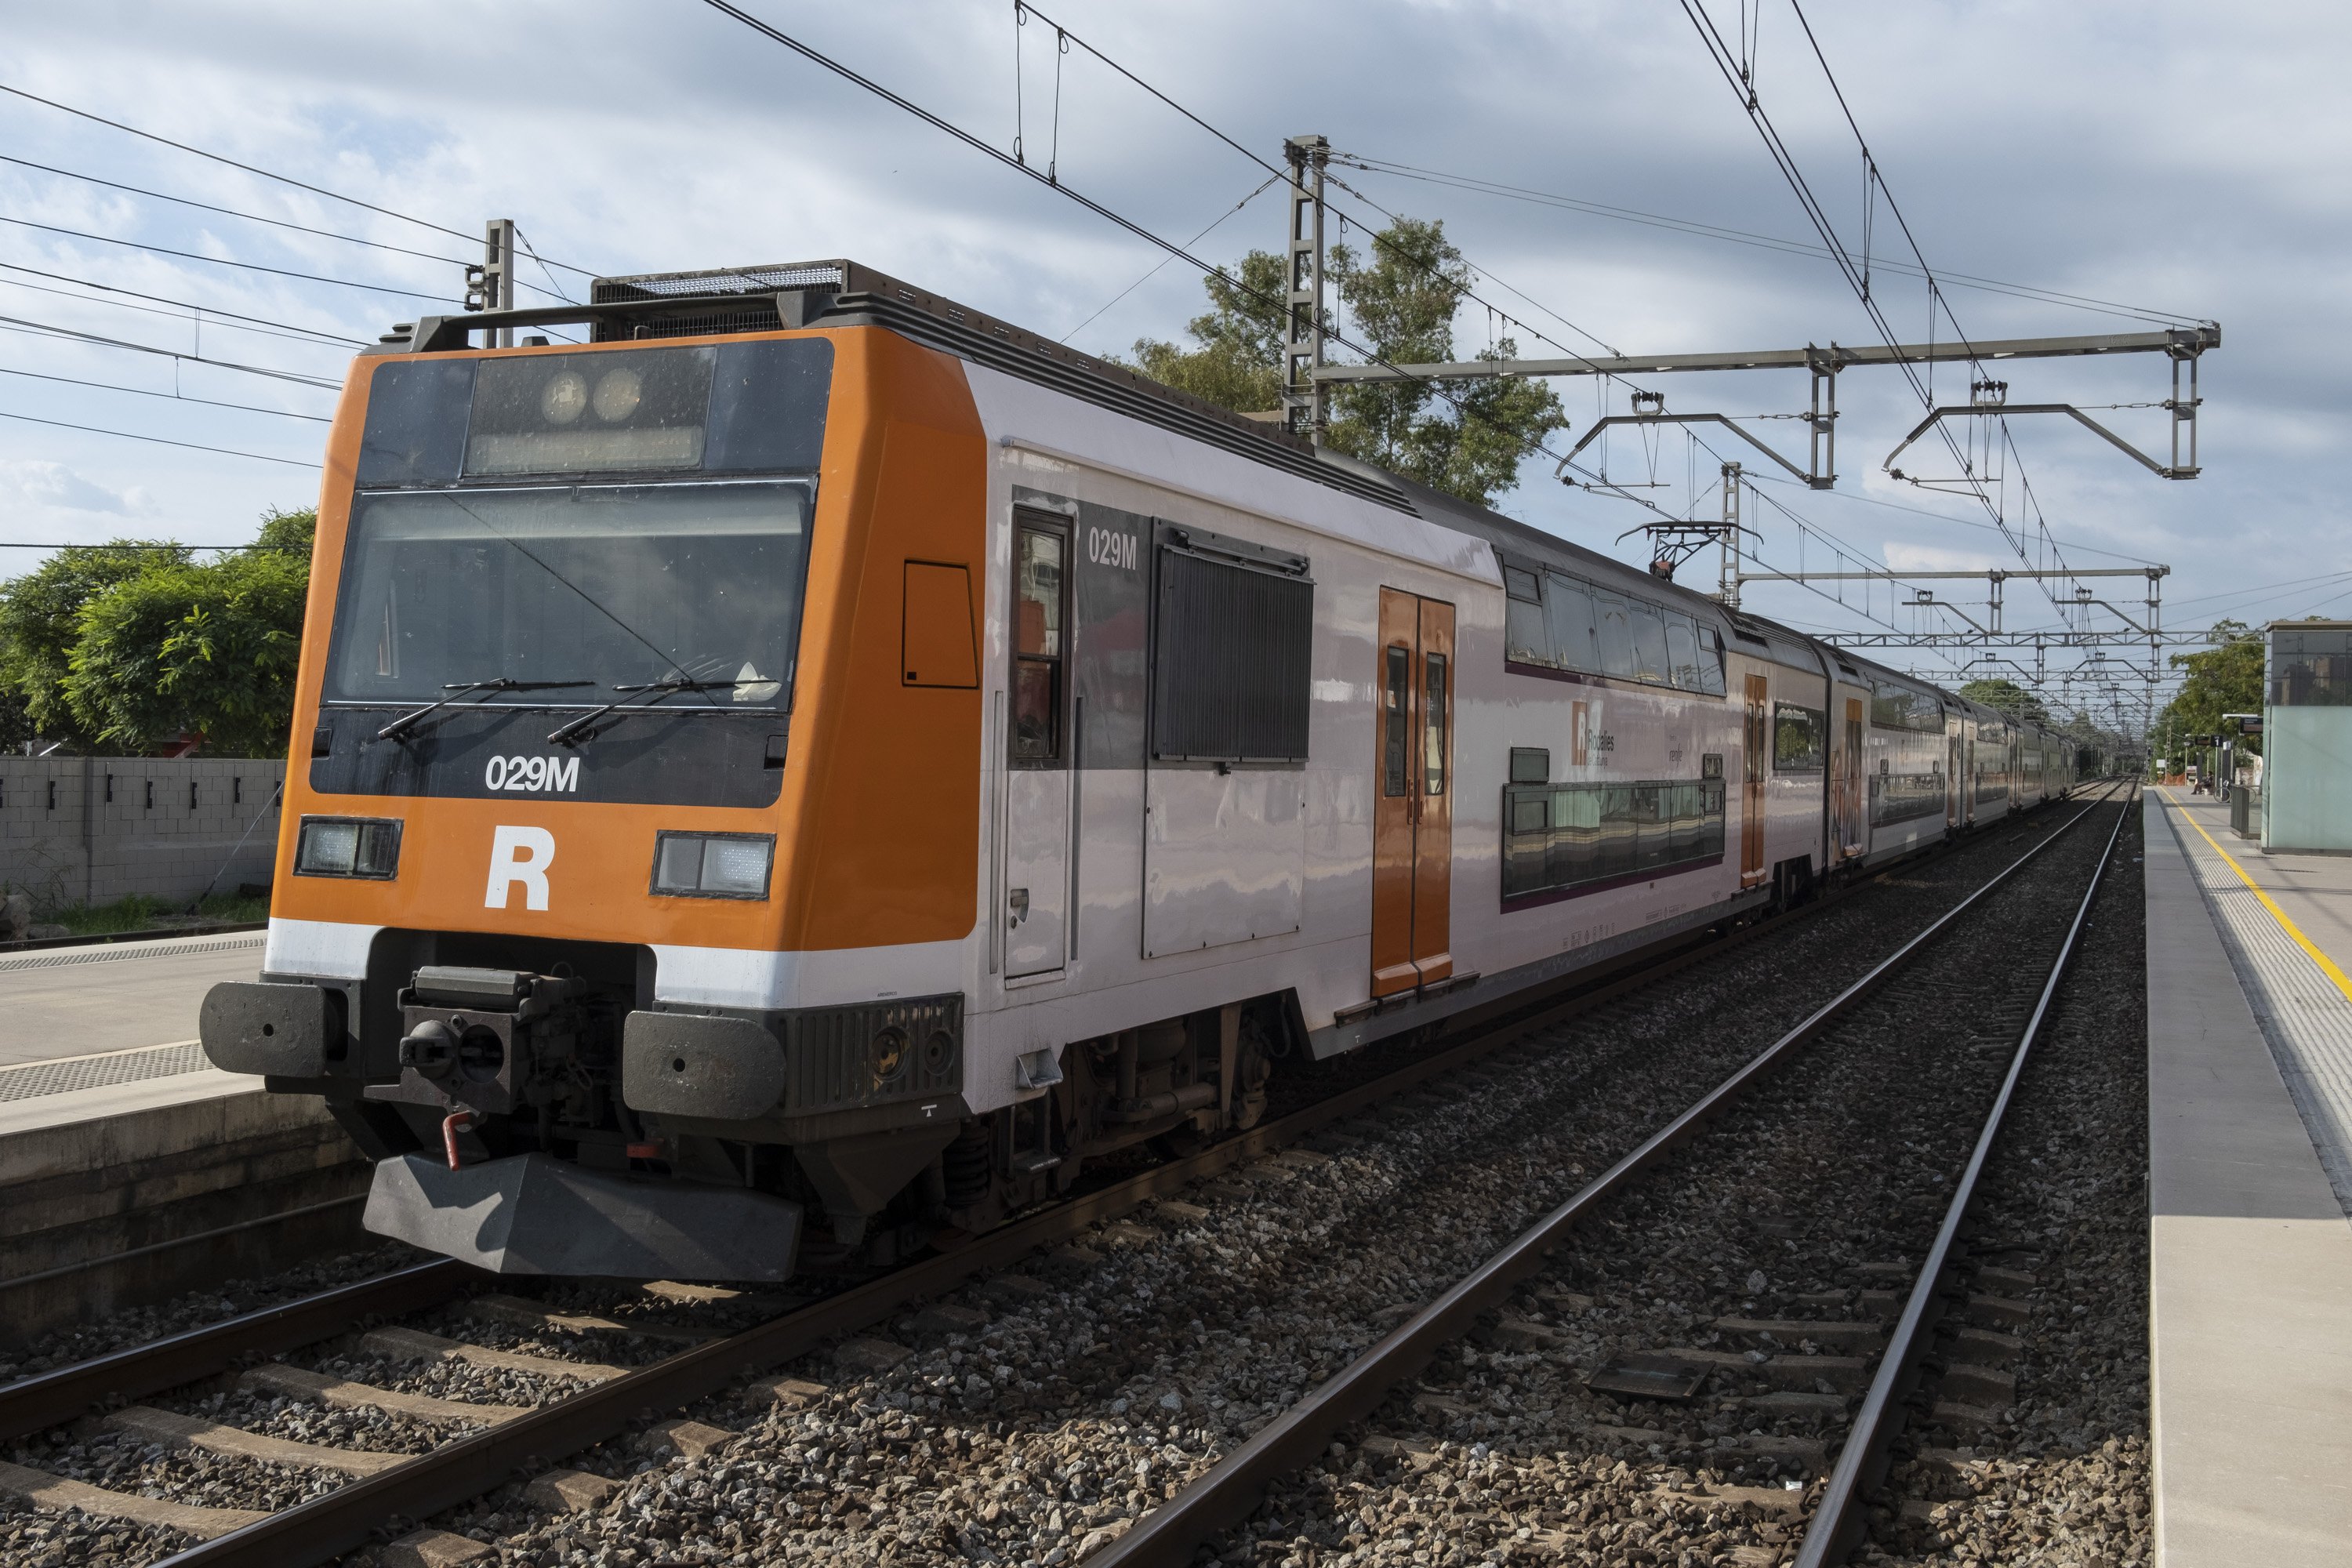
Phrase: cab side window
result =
(1039, 642)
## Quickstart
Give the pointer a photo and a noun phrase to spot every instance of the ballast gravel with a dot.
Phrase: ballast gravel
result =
(1817, 1192)
(197, 1308)
(2064, 1477)
(1085, 1387)
(1089, 1385)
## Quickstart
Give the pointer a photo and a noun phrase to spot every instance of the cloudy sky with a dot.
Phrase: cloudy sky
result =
(2161, 162)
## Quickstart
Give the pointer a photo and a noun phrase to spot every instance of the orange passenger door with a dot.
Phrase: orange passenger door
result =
(1413, 810)
(1758, 753)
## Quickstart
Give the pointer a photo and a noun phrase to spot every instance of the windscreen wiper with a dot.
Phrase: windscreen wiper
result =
(562, 734)
(458, 689)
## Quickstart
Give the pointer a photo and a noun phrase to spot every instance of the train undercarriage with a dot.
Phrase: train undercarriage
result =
(527, 1115)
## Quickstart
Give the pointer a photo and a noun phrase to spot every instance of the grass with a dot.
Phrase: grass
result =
(139, 912)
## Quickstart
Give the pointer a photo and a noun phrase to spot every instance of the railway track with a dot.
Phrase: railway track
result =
(1846, 1348)
(568, 1392)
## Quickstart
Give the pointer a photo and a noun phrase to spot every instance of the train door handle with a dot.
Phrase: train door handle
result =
(1017, 902)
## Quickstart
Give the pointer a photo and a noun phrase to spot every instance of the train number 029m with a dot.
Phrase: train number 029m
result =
(1107, 547)
(546, 775)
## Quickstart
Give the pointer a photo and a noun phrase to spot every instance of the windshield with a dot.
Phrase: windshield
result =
(614, 584)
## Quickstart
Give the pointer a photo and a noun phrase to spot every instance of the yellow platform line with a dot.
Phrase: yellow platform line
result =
(2327, 965)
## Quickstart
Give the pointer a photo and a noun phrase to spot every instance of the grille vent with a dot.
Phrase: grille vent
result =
(757, 314)
(835, 1058)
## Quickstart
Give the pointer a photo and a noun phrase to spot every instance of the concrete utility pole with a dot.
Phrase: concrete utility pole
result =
(490, 285)
(1727, 588)
(1304, 397)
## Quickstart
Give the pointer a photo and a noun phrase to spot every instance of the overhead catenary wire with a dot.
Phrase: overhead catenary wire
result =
(1425, 264)
(47, 329)
(168, 396)
(1161, 264)
(212, 315)
(225, 261)
(1720, 55)
(1021, 9)
(265, 174)
(1761, 476)
(258, 217)
(1178, 252)
(1745, 237)
(158, 440)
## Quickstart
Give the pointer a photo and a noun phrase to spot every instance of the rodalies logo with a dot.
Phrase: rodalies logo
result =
(546, 774)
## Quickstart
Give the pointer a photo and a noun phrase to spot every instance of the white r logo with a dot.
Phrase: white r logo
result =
(520, 855)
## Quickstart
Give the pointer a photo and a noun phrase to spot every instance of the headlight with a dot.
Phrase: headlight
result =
(713, 865)
(348, 846)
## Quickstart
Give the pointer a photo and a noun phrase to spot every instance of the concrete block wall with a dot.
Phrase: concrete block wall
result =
(89, 830)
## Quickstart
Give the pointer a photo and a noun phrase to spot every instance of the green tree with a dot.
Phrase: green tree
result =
(15, 724)
(1402, 294)
(2007, 697)
(1236, 360)
(2225, 676)
(120, 648)
(40, 625)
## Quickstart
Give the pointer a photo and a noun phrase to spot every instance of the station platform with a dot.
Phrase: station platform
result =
(87, 1032)
(2249, 1149)
(132, 1169)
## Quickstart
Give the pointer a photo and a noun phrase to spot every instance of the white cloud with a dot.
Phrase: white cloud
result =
(1906, 557)
(31, 482)
(2024, 142)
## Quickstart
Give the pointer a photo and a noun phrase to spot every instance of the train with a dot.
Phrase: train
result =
(802, 773)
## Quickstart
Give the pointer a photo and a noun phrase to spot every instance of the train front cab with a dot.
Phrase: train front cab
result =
(638, 723)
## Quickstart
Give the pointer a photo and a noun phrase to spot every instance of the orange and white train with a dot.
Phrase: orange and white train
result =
(814, 767)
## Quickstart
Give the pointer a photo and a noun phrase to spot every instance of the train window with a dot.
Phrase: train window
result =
(1899, 708)
(1682, 651)
(1710, 663)
(1432, 761)
(1799, 737)
(1560, 838)
(1613, 623)
(443, 590)
(1530, 765)
(768, 404)
(1525, 641)
(1568, 620)
(1231, 659)
(1037, 644)
(1650, 659)
(1396, 763)
(600, 413)
(415, 429)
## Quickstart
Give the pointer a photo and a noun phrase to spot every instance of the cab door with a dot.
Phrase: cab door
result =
(1412, 811)
(1037, 762)
(1757, 749)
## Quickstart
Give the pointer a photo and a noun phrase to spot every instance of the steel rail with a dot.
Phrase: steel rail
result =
(1840, 1516)
(1232, 1490)
(49, 1398)
(344, 1519)
(341, 1520)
